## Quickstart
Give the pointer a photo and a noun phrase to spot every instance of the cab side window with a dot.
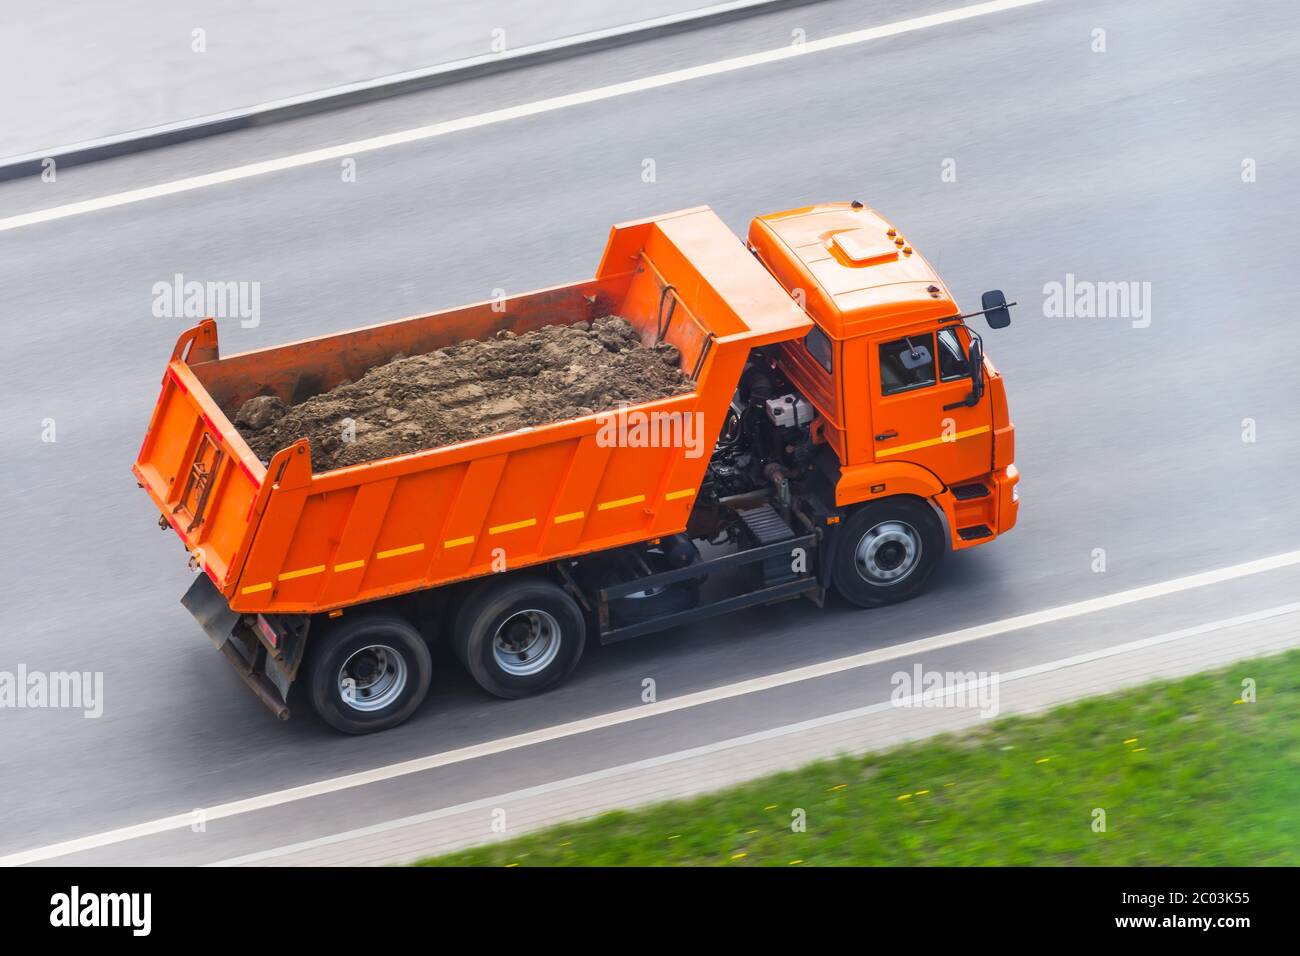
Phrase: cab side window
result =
(952, 357)
(907, 364)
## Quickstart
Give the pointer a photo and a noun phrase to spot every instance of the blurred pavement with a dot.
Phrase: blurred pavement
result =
(92, 70)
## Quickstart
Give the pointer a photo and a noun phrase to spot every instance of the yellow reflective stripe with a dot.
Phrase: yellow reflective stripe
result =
(932, 441)
(674, 495)
(571, 516)
(348, 566)
(513, 526)
(457, 542)
(395, 552)
(301, 573)
(254, 588)
(621, 502)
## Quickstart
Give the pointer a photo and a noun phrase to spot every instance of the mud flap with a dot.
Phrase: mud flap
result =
(209, 607)
(241, 648)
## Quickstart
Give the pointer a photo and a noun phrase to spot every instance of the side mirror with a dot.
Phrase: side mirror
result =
(996, 311)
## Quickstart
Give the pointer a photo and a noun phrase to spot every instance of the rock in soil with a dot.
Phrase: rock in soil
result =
(469, 390)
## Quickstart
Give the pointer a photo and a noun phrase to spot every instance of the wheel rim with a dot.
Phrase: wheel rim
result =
(888, 553)
(526, 643)
(372, 678)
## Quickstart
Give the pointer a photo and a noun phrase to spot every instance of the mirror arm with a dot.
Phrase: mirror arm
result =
(971, 315)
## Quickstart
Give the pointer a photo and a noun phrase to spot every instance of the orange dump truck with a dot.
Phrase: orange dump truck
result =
(844, 430)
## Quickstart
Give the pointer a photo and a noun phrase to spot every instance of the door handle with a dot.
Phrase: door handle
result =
(885, 436)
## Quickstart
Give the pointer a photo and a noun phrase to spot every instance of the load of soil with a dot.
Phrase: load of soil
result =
(469, 390)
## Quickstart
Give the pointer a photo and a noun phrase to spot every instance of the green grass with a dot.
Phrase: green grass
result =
(1186, 773)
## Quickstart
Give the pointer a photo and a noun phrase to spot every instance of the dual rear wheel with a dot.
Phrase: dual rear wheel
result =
(367, 672)
(519, 636)
(516, 636)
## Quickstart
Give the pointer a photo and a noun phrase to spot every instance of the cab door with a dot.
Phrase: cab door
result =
(918, 383)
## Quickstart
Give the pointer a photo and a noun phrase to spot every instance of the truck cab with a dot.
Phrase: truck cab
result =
(907, 402)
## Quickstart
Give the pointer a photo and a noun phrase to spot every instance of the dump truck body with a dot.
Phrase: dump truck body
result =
(283, 539)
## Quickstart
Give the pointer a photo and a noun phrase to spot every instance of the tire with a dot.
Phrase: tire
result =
(645, 605)
(368, 672)
(887, 551)
(519, 636)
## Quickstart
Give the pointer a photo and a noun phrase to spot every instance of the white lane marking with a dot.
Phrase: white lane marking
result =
(510, 113)
(597, 776)
(643, 711)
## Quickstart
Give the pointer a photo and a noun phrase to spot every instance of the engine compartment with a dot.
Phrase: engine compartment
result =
(764, 453)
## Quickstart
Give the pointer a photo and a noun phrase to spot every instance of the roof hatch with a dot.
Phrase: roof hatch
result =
(865, 247)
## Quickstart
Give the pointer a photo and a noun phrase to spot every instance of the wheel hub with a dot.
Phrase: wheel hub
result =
(527, 642)
(888, 552)
(372, 678)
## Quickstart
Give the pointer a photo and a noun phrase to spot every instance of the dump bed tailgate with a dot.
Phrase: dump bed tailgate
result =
(200, 474)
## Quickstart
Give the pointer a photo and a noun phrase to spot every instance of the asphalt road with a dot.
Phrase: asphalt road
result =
(107, 68)
(1117, 166)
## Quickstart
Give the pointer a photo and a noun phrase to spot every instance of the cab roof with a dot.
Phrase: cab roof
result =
(857, 270)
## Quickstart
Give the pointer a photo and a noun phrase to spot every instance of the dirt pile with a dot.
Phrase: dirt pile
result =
(469, 390)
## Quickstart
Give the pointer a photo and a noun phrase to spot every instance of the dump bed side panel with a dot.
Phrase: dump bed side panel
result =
(200, 475)
(562, 490)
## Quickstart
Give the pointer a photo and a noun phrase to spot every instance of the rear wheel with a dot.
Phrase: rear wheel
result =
(887, 552)
(519, 636)
(368, 672)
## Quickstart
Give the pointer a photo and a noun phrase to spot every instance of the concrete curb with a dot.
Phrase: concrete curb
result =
(306, 104)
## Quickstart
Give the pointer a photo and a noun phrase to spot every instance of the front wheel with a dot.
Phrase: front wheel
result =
(519, 635)
(887, 551)
(368, 672)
